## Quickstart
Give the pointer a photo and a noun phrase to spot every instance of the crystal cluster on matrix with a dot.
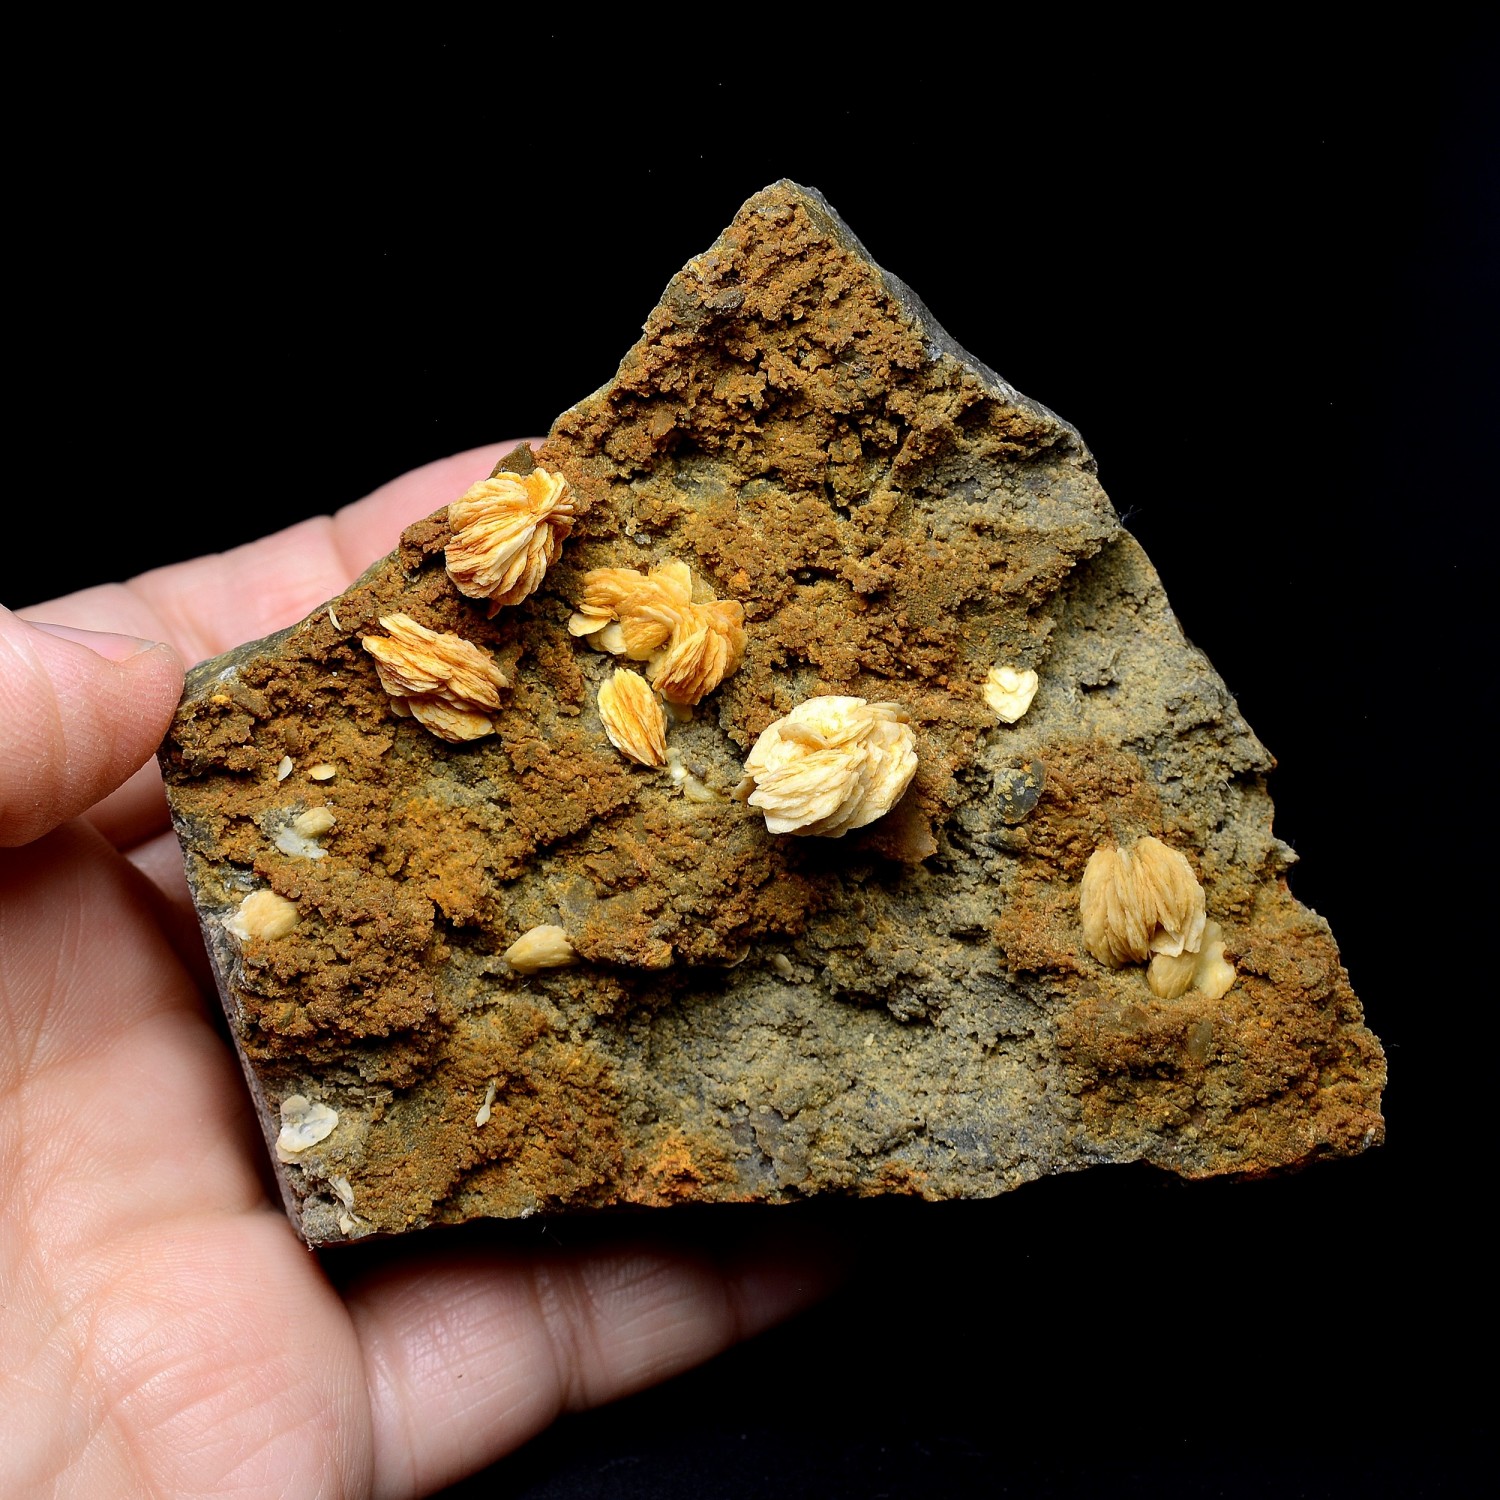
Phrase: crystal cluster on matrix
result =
(777, 784)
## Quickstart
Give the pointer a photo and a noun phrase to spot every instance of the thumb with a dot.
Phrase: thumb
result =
(80, 710)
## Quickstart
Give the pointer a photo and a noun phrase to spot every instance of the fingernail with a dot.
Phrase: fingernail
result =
(102, 642)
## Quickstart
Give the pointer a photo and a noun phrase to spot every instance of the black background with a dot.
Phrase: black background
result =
(260, 273)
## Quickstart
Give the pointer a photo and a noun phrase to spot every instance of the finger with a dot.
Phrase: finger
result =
(469, 1359)
(211, 604)
(79, 712)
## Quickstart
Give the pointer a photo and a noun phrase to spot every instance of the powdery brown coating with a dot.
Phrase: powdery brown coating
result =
(910, 1008)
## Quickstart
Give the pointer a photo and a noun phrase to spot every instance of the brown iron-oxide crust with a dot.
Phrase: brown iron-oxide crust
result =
(907, 1009)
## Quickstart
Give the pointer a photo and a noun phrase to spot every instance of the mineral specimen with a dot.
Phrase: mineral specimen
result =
(843, 505)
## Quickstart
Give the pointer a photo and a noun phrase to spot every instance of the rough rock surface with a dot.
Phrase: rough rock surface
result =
(907, 1009)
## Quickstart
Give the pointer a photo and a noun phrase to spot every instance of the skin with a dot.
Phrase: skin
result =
(163, 1331)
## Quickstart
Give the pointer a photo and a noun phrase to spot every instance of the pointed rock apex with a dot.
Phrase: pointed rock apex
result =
(800, 518)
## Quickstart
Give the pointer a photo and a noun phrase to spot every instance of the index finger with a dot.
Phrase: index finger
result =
(211, 604)
(214, 603)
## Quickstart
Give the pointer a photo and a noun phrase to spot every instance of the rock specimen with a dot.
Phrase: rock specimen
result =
(497, 932)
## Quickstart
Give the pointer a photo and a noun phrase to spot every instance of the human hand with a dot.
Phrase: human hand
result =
(163, 1330)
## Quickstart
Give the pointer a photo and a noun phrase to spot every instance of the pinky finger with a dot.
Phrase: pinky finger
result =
(468, 1360)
